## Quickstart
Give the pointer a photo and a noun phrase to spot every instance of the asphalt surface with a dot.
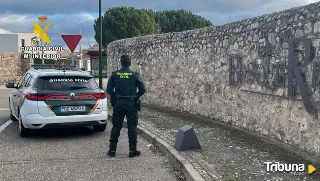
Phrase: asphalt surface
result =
(74, 154)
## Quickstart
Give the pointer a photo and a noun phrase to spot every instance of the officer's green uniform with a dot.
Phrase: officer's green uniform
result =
(125, 82)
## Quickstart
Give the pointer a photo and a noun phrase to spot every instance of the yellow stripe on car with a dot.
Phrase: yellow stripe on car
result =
(94, 107)
(49, 107)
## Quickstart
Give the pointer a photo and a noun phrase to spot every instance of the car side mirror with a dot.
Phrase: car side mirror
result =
(10, 85)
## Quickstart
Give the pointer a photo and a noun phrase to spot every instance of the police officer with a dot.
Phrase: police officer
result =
(122, 87)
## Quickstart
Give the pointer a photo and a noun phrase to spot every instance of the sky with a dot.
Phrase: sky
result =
(73, 16)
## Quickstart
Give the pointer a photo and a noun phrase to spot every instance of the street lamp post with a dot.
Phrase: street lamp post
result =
(33, 43)
(100, 48)
(42, 52)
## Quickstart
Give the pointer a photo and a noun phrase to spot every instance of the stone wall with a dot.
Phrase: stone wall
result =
(12, 66)
(192, 71)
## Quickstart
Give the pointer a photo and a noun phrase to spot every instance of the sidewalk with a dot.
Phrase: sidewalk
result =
(227, 153)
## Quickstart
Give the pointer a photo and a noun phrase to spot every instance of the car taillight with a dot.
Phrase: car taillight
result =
(101, 95)
(91, 96)
(35, 97)
(43, 97)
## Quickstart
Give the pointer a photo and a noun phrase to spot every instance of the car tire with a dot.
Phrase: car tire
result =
(100, 128)
(11, 115)
(24, 132)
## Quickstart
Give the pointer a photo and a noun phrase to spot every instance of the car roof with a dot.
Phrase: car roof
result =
(55, 72)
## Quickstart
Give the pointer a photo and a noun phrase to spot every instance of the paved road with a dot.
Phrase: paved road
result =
(73, 154)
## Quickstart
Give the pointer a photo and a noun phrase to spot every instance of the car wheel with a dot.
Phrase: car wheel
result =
(11, 115)
(24, 132)
(100, 128)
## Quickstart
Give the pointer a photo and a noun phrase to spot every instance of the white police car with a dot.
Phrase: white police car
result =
(50, 98)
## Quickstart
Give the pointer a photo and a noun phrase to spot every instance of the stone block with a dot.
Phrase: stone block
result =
(186, 139)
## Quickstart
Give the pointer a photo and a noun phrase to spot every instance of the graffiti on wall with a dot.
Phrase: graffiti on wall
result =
(272, 74)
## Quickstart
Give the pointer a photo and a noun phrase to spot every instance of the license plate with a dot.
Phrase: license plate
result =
(72, 108)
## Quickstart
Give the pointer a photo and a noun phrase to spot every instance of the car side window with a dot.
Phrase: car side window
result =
(30, 82)
(18, 85)
(23, 82)
(27, 80)
(35, 83)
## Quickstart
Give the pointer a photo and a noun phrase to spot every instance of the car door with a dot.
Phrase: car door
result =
(15, 95)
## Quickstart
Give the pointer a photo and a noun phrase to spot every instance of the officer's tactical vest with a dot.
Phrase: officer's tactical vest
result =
(125, 83)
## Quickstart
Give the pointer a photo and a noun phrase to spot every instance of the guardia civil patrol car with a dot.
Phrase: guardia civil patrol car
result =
(52, 98)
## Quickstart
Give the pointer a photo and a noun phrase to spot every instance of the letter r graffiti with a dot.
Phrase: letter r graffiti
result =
(294, 71)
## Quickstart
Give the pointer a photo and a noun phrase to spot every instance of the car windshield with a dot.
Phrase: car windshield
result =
(60, 83)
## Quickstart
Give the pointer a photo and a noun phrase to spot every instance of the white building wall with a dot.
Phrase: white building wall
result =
(88, 65)
(27, 37)
(28, 42)
(9, 43)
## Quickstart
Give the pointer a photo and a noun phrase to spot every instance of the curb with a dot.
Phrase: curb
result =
(179, 162)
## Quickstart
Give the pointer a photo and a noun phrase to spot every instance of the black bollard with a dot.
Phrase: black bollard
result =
(186, 139)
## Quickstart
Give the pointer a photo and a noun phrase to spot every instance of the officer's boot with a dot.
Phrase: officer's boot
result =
(132, 121)
(112, 148)
(111, 153)
(133, 148)
(114, 137)
(134, 153)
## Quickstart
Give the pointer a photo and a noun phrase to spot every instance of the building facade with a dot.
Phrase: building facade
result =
(12, 42)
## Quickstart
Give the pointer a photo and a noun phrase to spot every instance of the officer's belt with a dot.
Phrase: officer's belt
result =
(126, 97)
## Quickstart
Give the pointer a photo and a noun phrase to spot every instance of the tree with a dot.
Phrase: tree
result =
(180, 20)
(127, 22)
(124, 22)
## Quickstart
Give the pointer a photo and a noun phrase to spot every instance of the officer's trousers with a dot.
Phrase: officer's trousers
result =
(128, 109)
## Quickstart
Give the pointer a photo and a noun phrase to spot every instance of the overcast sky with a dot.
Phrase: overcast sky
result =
(73, 16)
